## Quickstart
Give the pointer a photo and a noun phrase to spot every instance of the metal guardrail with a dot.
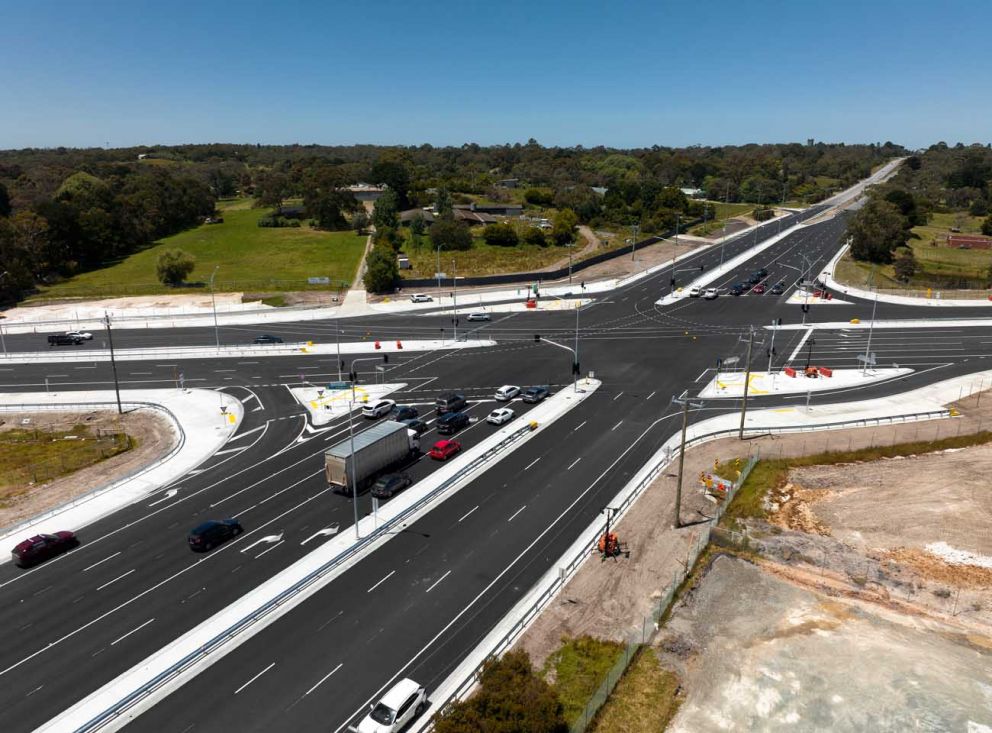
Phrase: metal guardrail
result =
(566, 571)
(68, 354)
(122, 706)
(77, 501)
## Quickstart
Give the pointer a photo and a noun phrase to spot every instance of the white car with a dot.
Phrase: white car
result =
(695, 291)
(500, 415)
(405, 701)
(507, 392)
(710, 294)
(378, 409)
(478, 316)
(84, 335)
(421, 298)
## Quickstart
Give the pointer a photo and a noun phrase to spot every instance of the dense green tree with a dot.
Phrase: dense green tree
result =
(450, 235)
(173, 266)
(381, 270)
(386, 211)
(360, 222)
(905, 265)
(328, 208)
(876, 230)
(500, 235)
(987, 226)
(535, 235)
(5, 207)
(563, 227)
(906, 203)
(539, 196)
(271, 189)
(511, 698)
(418, 225)
(394, 174)
(442, 202)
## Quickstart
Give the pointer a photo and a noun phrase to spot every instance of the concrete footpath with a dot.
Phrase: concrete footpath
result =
(200, 430)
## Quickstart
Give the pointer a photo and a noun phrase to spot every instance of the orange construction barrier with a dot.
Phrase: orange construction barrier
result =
(378, 345)
(789, 372)
(824, 371)
(399, 344)
(532, 304)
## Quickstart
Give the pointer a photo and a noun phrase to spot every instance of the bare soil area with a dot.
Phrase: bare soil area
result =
(153, 434)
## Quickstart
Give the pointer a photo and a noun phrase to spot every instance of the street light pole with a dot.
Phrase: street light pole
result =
(113, 362)
(685, 402)
(213, 303)
(337, 341)
(437, 273)
(454, 297)
(2, 339)
(354, 483)
(747, 382)
(871, 325)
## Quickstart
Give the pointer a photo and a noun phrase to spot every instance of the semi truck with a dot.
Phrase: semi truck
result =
(383, 446)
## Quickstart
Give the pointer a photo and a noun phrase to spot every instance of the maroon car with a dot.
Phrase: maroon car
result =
(758, 289)
(42, 547)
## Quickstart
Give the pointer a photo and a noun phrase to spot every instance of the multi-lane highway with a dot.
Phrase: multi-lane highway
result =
(420, 602)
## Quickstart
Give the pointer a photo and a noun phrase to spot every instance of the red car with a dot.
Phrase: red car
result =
(758, 289)
(42, 547)
(444, 449)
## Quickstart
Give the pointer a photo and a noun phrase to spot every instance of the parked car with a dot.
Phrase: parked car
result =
(387, 486)
(536, 394)
(378, 409)
(63, 339)
(695, 291)
(84, 335)
(778, 288)
(500, 415)
(450, 402)
(416, 425)
(267, 339)
(42, 547)
(478, 316)
(711, 294)
(507, 392)
(405, 701)
(754, 278)
(444, 449)
(450, 423)
(758, 289)
(403, 412)
(213, 532)
(421, 298)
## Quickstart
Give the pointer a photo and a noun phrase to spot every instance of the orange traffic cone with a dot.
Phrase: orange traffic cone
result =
(378, 345)
(399, 344)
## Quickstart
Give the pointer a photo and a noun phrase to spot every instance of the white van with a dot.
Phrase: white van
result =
(507, 392)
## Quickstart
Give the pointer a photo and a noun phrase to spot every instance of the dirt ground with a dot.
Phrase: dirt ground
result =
(154, 434)
(612, 599)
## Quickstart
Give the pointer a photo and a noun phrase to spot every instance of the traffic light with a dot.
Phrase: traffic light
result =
(702, 268)
(385, 358)
(805, 307)
(537, 338)
(353, 376)
(672, 282)
(342, 365)
(779, 322)
(575, 368)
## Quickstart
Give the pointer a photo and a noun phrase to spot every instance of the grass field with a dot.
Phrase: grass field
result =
(482, 259)
(579, 667)
(644, 700)
(251, 258)
(723, 211)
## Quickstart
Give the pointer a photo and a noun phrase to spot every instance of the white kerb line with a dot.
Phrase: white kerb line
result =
(132, 631)
(323, 679)
(434, 584)
(391, 574)
(573, 463)
(254, 678)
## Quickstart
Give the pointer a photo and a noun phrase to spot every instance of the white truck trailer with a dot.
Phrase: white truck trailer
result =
(385, 445)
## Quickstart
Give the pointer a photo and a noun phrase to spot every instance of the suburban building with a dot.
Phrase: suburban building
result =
(494, 209)
(366, 191)
(693, 193)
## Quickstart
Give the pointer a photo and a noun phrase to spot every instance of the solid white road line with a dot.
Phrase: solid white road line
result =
(117, 578)
(469, 512)
(323, 679)
(517, 512)
(239, 436)
(618, 396)
(109, 557)
(579, 425)
(254, 678)
(122, 638)
(434, 584)
(649, 396)
(616, 426)
(270, 549)
(391, 574)
(572, 464)
(531, 463)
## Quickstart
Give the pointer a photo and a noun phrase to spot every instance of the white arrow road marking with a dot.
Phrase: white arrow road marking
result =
(268, 538)
(333, 529)
(168, 495)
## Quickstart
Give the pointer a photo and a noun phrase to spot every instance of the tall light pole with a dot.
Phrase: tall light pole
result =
(454, 297)
(437, 272)
(213, 303)
(337, 341)
(685, 402)
(354, 483)
(723, 239)
(2, 339)
(747, 382)
(113, 362)
(871, 325)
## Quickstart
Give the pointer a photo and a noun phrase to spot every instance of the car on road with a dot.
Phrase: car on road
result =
(710, 294)
(389, 485)
(500, 415)
(507, 392)
(758, 289)
(267, 339)
(42, 547)
(478, 316)
(416, 425)
(213, 532)
(535, 394)
(695, 291)
(778, 288)
(762, 272)
(421, 298)
(404, 702)
(738, 289)
(444, 449)
(378, 409)
(451, 422)
(754, 278)
(450, 402)
(63, 339)
(403, 412)
(84, 335)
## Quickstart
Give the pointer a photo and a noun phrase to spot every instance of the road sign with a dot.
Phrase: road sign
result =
(440, 275)
(870, 359)
(318, 281)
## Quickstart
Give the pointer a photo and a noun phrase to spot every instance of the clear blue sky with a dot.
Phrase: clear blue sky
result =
(404, 72)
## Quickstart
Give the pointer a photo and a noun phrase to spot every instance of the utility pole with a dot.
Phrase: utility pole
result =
(771, 351)
(747, 382)
(454, 297)
(871, 325)
(113, 362)
(634, 229)
(337, 341)
(684, 401)
(213, 303)
(437, 273)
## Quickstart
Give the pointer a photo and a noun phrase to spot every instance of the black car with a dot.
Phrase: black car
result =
(755, 278)
(778, 289)
(64, 339)
(42, 547)
(416, 425)
(213, 532)
(392, 483)
(535, 394)
(739, 289)
(403, 412)
(267, 339)
(762, 272)
(451, 423)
